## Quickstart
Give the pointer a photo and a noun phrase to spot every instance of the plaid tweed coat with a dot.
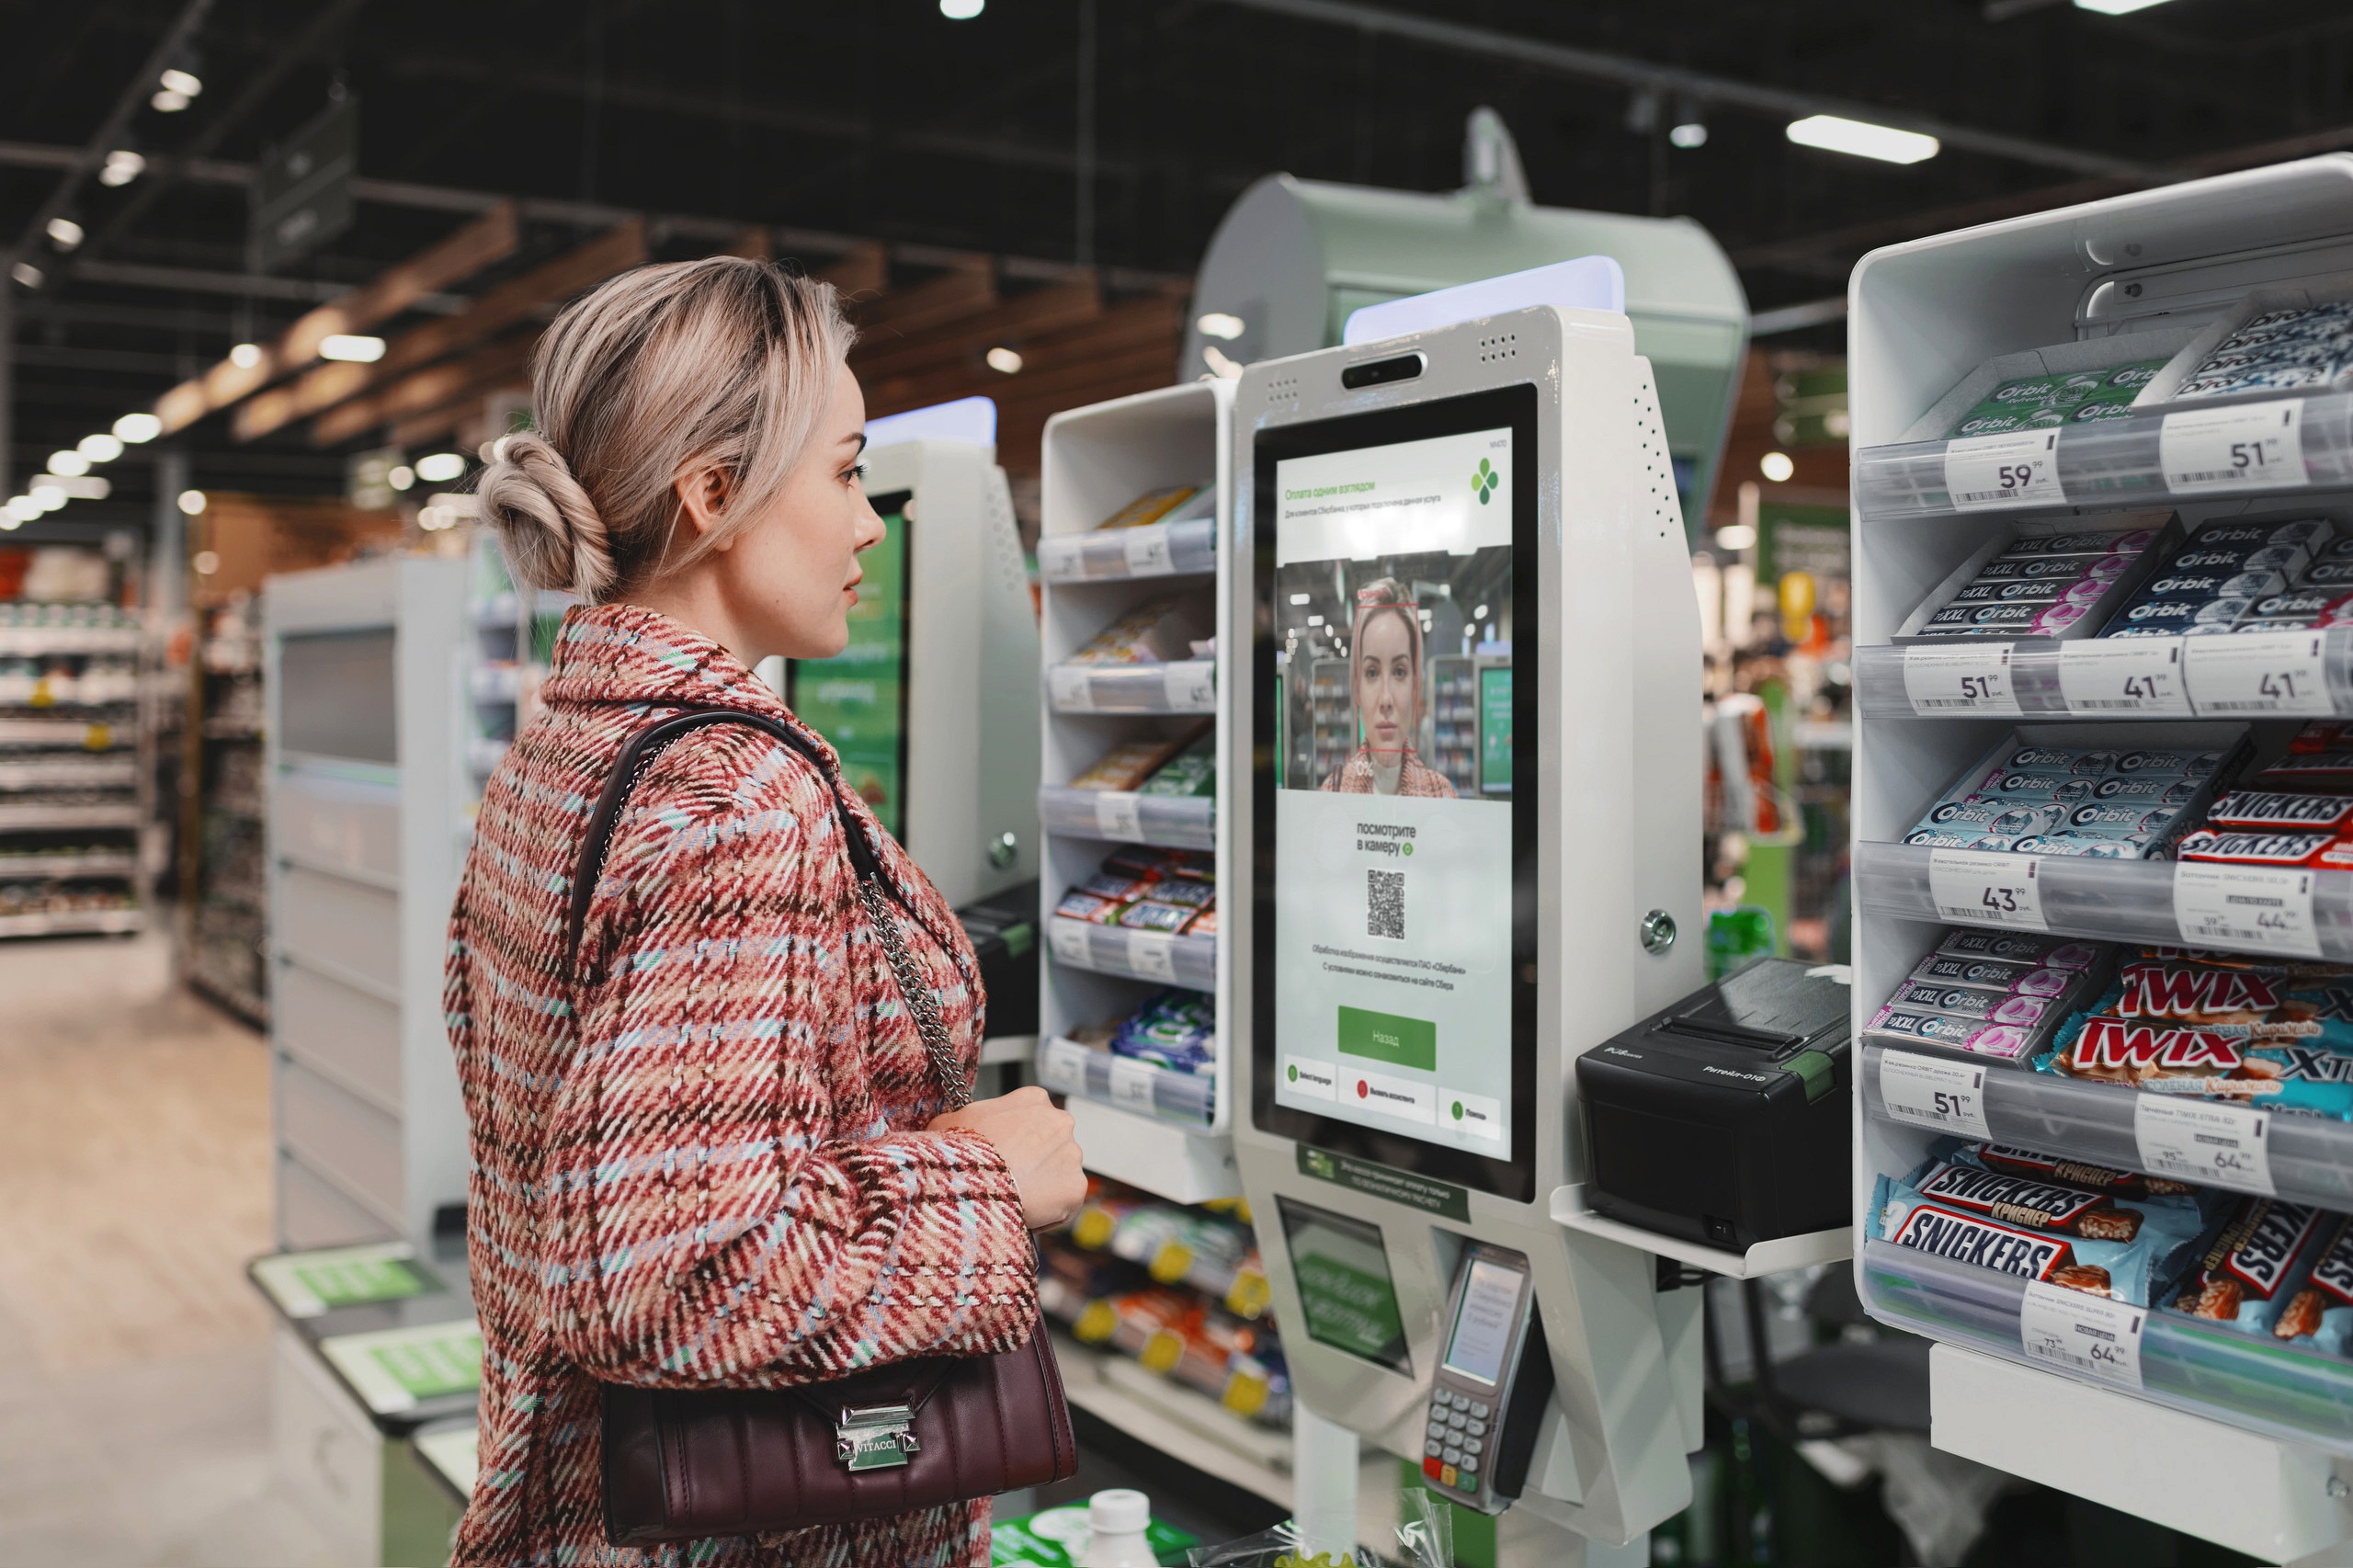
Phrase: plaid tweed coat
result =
(704, 1166)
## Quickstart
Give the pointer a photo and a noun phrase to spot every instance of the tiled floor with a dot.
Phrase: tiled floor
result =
(133, 1187)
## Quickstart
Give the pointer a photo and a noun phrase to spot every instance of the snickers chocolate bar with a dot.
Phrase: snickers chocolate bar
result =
(2237, 848)
(2280, 811)
(2037, 1205)
(2246, 1274)
(2006, 1249)
(2074, 1173)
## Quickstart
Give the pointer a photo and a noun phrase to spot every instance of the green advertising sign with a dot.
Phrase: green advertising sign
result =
(1341, 1266)
(1495, 730)
(858, 698)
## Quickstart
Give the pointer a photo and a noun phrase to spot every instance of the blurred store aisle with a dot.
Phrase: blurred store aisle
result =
(134, 1184)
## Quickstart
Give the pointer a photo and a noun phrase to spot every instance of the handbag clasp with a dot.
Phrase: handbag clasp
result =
(874, 1436)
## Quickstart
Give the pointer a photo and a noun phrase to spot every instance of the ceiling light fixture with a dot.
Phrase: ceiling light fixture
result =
(64, 233)
(1689, 135)
(401, 477)
(26, 273)
(2116, 8)
(1859, 138)
(1220, 364)
(1776, 465)
(1004, 360)
(138, 428)
(166, 101)
(1220, 325)
(440, 468)
(69, 463)
(246, 356)
(192, 502)
(185, 83)
(122, 166)
(99, 448)
(352, 346)
(1737, 537)
(961, 10)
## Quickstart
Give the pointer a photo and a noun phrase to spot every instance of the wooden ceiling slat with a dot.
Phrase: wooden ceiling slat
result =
(427, 389)
(489, 238)
(863, 272)
(619, 249)
(935, 302)
(1055, 306)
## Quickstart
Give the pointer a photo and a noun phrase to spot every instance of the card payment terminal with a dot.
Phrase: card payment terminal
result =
(1491, 1382)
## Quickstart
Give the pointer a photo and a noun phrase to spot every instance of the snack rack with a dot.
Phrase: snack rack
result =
(1155, 1129)
(2152, 275)
(75, 773)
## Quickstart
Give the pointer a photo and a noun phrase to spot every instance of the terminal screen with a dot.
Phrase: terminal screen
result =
(1395, 951)
(858, 698)
(1345, 1292)
(1482, 1324)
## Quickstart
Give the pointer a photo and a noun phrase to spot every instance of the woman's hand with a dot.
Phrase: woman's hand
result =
(1035, 1139)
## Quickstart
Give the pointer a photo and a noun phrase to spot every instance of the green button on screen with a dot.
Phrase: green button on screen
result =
(1385, 1036)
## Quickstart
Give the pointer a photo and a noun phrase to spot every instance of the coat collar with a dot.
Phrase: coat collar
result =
(626, 654)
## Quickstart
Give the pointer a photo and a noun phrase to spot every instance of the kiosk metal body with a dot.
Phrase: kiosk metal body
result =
(1606, 826)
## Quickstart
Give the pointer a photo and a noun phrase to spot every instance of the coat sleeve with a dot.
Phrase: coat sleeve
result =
(705, 1230)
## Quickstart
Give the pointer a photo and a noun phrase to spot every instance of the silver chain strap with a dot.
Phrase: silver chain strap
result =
(917, 996)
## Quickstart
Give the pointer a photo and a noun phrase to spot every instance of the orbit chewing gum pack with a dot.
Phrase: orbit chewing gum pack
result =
(2116, 803)
(1996, 996)
(2045, 584)
(2305, 348)
(2237, 576)
(2057, 399)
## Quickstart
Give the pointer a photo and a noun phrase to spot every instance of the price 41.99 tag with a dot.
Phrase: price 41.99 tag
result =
(1929, 1091)
(2019, 468)
(1987, 887)
(2202, 1141)
(1961, 678)
(2091, 1337)
(2253, 673)
(2107, 677)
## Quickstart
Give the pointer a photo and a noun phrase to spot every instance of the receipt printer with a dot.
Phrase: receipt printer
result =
(1723, 1118)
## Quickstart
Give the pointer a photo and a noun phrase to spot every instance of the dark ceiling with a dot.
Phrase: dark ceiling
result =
(883, 118)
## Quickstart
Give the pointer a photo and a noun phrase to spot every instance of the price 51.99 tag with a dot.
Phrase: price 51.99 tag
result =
(1960, 677)
(1929, 1091)
(2017, 469)
(2092, 1336)
(2242, 446)
(1987, 887)
(2204, 1141)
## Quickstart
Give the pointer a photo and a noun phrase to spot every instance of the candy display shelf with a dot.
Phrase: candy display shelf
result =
(36, 816)
(2133, 461)
(1124, 816)
(2250, 1381)
(34, 640)
(1157, 550)
(2122, 901)
(2244, 675)
(1069, 1068)
(1184, 686)
(86, 922)
(1180, 1422)
(1189, 962)
(2310, 1158)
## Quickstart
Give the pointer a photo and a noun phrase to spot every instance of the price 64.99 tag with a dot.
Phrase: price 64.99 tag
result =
(2092, 1336)
(1929, 1091)
(2199, 1141)
(1987, 887)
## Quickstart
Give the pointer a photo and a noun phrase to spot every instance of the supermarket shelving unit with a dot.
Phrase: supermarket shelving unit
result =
(76, 775)
(1162, 1131)
(222, 922)
(365, 668)
(2135, 277)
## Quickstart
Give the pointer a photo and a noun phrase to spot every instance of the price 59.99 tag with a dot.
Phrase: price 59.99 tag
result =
(2092, 1336)
(2253, 673)
(2241, 445)
(2017, 469)
(1147, 551)
(1960, 677)
(2204, 1141)
(2105, 676)
(1987, 887)
(1929, 1091)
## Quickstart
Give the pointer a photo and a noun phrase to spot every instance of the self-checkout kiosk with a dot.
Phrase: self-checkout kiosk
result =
(933, 706)
(1424, 954)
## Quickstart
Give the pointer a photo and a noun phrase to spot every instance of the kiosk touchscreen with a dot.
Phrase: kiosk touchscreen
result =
(1474, 794)
(933, 704)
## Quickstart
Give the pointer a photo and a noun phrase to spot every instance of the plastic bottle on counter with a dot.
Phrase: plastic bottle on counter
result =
(1116, 1520)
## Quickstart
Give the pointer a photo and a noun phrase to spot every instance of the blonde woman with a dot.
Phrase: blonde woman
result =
(1385, 676)
(711, 1154)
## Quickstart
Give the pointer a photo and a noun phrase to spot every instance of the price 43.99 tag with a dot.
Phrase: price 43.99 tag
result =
(1987, 887)
(2202, 1140)
(1961, 678)
(1928, 1091)
(2092, 1336)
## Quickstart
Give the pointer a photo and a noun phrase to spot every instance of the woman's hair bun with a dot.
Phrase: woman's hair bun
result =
(553, 537)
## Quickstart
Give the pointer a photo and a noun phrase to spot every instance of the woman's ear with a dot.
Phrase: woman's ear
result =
(702, 499)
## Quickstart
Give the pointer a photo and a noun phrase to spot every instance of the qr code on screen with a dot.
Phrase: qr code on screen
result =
(1384, 904)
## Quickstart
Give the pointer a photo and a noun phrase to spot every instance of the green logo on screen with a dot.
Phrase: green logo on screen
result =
(1295, 1073)
(1485, 481)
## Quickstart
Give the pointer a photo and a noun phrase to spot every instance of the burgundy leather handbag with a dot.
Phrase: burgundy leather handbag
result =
(687, 1464)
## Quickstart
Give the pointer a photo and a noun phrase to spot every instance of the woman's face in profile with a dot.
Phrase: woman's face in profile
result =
(1385, 663)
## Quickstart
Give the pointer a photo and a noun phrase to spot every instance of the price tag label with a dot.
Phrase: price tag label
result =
(1060, 559)
(1071, 941)
(1061, 1067)
(1964, 677)
(2109, 676)
(1987, 887)
(1070, 688)
(1147, 551)
(2091, 1337)
(1118, 816)
(1192, 685)
(2018, 468)
(2243, 446)
(2204, 1141)
(2266, 907)
(2254, 672)
(1131, 1084)
(1928, 1091)
(1152, 955)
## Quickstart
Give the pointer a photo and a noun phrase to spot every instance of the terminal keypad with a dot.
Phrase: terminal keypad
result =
(1454, 1447)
